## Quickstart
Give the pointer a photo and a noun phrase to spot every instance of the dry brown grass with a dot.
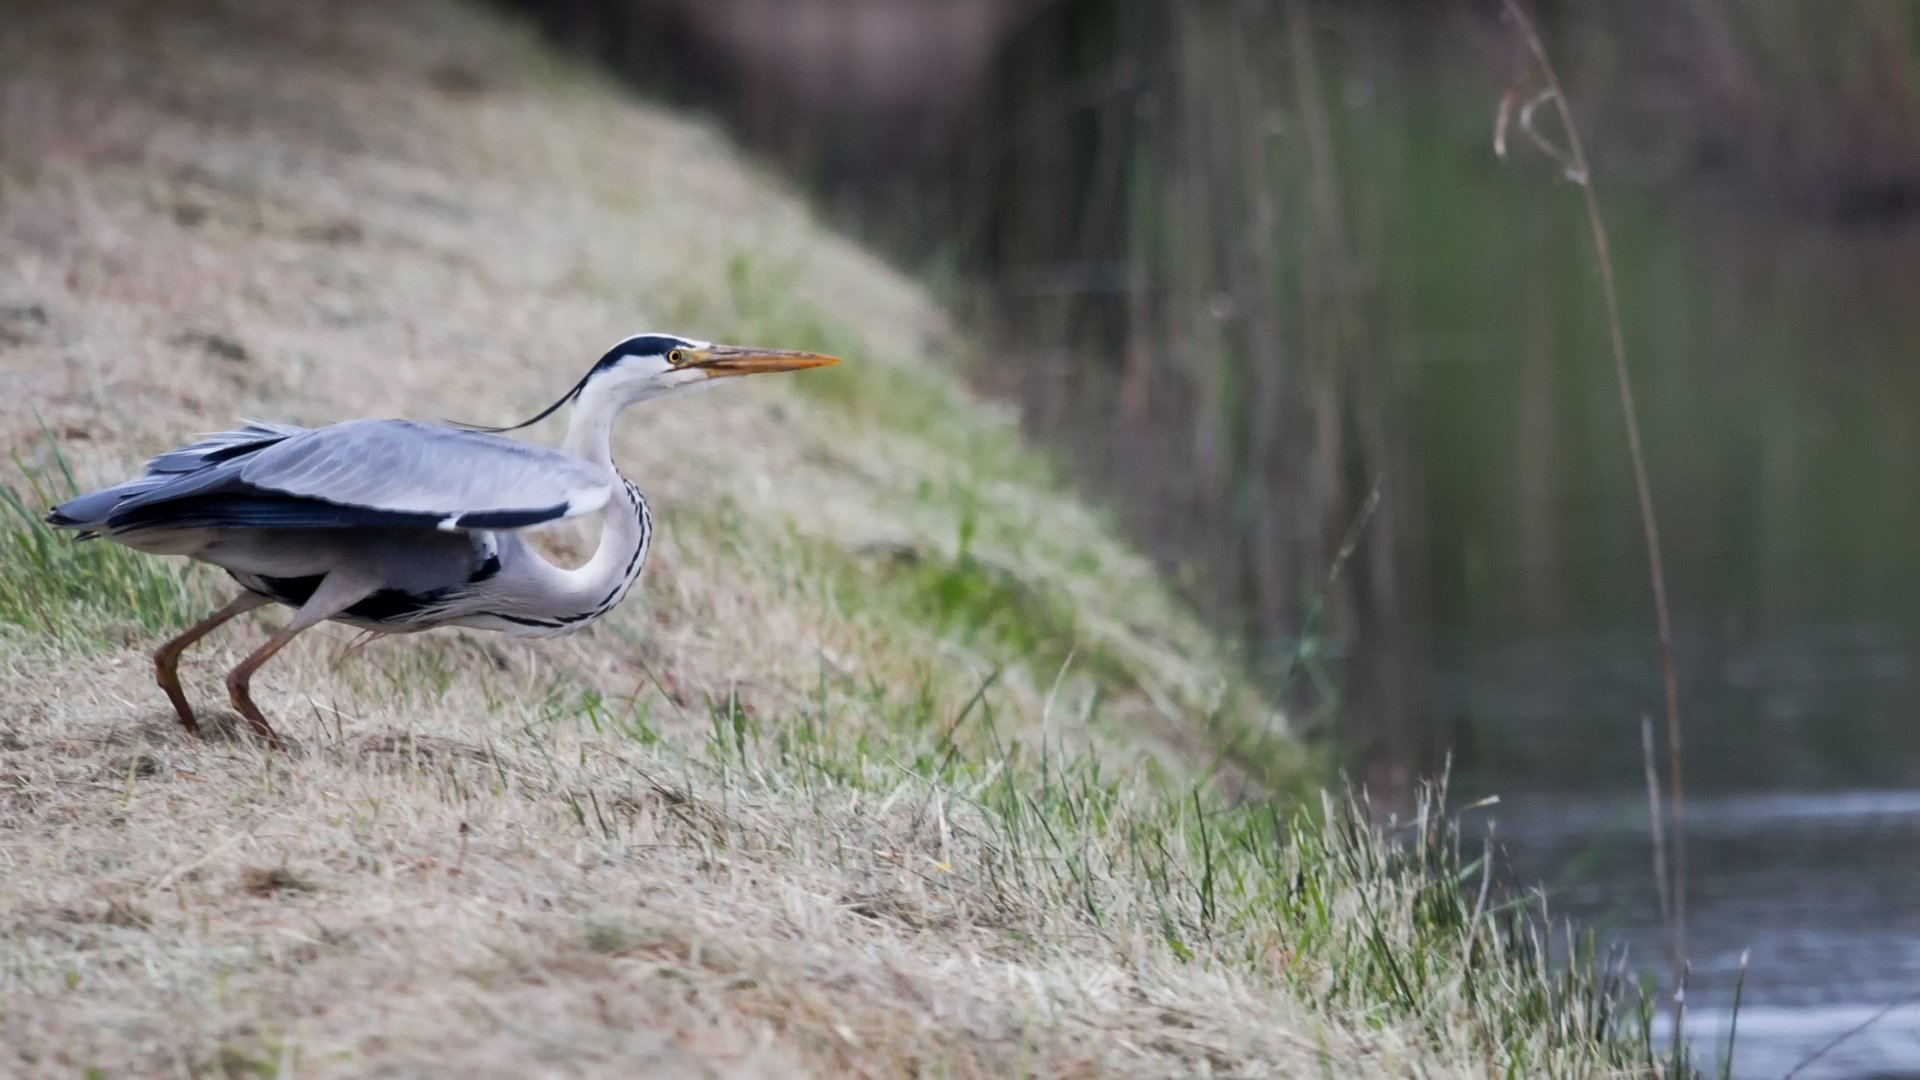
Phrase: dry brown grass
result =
(751, 824)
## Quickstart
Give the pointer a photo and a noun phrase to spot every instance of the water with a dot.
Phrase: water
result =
(1773, 347)
(1802, 827)
(1779, 435)
(1800, 834)
(1817, 888)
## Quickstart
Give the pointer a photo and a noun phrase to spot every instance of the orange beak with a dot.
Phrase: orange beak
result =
(722, 361)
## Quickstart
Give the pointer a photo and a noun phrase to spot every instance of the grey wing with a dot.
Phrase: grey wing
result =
(223, 446)
(362, 472)
(169, 474)
(461, 479)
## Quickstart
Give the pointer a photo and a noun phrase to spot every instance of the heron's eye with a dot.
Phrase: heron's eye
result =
(676, 357)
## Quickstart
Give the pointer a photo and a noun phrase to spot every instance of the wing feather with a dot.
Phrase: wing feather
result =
(465, 479)
(361, 472)
(223, 446)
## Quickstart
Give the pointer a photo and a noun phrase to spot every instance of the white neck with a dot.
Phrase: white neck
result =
(584, 593)
(590, 427)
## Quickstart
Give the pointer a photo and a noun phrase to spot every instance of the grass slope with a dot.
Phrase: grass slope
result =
(896, 763)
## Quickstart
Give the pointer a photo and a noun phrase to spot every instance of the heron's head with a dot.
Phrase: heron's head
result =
(648, 366)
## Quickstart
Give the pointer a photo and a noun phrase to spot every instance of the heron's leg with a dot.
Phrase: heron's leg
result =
(338, 592)
(166, 659)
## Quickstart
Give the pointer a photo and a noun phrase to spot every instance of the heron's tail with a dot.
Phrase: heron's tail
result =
(89, 512)
(60, 520)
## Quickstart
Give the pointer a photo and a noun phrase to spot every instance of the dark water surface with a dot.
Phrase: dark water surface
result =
(1778, 378)
(1776, 354)
(1819, 890)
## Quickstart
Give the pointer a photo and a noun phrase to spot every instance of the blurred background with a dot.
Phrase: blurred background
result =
(1254, 270)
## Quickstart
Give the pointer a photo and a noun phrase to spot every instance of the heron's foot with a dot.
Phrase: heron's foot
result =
(243, 703)
(166, 670)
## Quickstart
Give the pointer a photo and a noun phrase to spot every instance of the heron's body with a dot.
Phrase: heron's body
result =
(280, 508)
(399, 526)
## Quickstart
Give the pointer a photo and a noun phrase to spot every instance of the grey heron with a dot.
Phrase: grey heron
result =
(397, 525)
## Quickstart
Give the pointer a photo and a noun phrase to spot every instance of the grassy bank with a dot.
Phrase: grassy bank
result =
(897, 762)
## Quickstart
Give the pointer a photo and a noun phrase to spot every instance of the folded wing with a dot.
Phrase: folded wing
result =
(362, 472)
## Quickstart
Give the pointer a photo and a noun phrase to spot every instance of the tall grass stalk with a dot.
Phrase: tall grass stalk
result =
(1733, 1020)
(1579, 172)
(1656, 822)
